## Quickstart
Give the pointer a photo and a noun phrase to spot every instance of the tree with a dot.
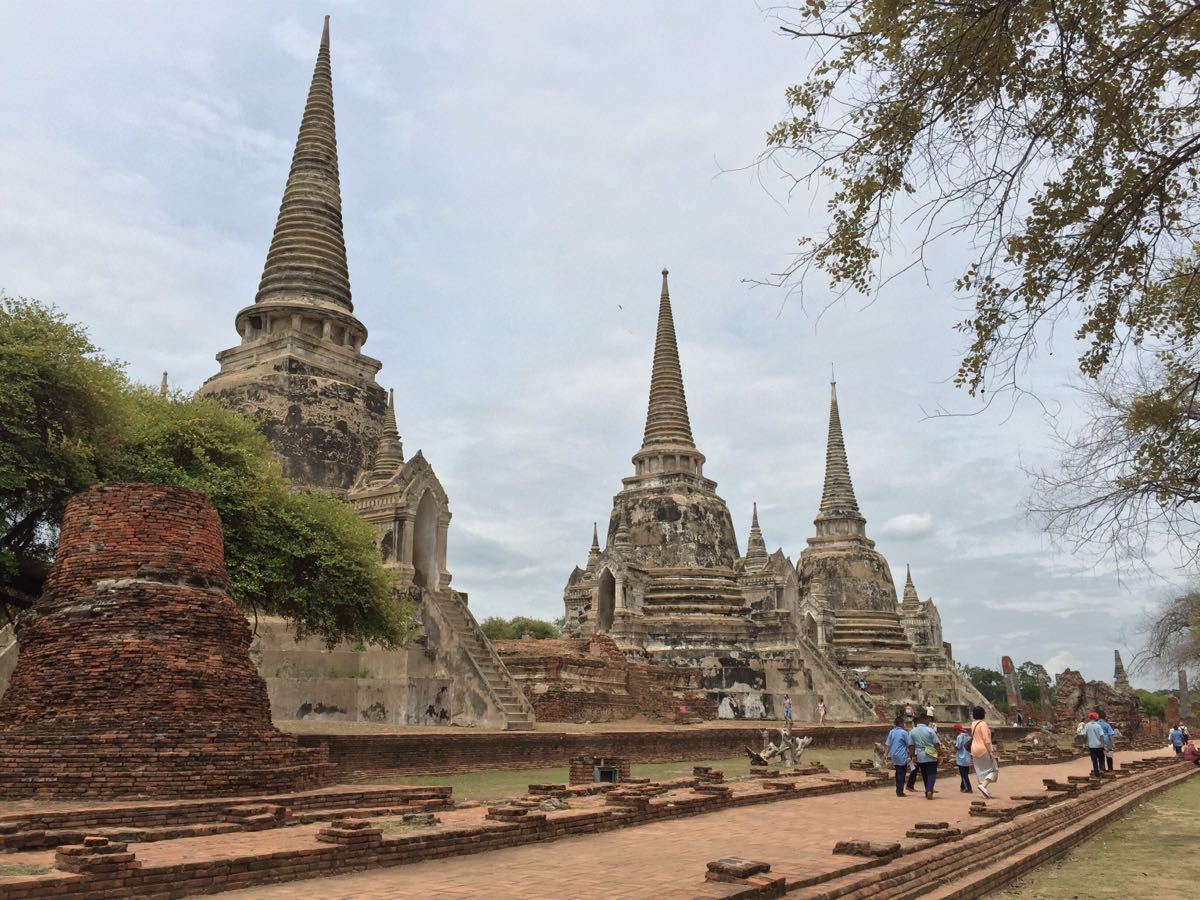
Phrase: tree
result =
(1154, 703)
(61, 420)
(305, 556)
(1030, 678)
(1131, 473)
(69, 418)
(498, 629)
(1171, 636)
(988, 682)
(1059, 143)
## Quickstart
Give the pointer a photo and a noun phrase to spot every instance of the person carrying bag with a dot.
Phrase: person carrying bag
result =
(983, 754)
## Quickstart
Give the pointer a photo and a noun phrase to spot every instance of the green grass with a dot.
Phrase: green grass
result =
(1149, 853)
(499, 785)
(22, 869)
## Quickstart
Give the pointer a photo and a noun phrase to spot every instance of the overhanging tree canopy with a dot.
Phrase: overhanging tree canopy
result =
(69, 418)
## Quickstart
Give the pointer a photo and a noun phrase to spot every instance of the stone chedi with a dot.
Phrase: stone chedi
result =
(300, 366)
(135, 677)
(300, 369)
(669, 585)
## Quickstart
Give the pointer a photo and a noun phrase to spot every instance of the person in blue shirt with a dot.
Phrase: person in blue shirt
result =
(1175, 736)
(925, 749)
(900, 746)
(1109, 731)
(1095, 741)
(962, 757)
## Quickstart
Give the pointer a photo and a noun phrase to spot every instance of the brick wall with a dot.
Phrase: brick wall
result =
(362, 756)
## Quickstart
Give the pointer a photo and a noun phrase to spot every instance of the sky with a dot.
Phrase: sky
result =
(514, 176)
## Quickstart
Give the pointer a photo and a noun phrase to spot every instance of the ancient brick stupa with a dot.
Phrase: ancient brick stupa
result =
(135, 679)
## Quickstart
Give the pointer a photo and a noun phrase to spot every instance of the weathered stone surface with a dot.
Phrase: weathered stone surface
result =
(322, 421)
(1074, 698)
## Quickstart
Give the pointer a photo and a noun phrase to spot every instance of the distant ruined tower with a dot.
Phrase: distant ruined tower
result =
(1185, 699)
(300, 366)
(1120, 681)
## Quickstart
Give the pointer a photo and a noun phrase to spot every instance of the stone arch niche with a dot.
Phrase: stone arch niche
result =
(810, 628)
(387, 548)
(425, 543)
(606, 601)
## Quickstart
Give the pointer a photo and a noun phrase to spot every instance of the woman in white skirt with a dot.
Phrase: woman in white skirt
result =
(983, 753)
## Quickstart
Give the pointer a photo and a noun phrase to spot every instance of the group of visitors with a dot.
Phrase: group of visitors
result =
(1099, 733)
(917, 751)
(1181, 740)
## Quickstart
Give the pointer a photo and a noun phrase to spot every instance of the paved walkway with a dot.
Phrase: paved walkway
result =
(667, 859)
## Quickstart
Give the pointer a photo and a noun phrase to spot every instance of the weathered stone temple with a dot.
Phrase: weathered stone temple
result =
(670, 585)
(300, 369)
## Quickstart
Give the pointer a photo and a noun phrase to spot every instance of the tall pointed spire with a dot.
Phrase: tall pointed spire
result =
(756, 547)
(667, 446)
(839, 514)
(594, 551)
(307, 258)
(667, 415)
(1120, 679)
(389, 455)
(911, 597)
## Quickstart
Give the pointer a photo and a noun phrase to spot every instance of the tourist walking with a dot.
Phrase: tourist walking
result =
(1109, 731)
(787, 710)
(983, 752)
(1094, 735)
(925, 747)
(1175, 736)
(962, 757)
(821, 710)
(900, 747)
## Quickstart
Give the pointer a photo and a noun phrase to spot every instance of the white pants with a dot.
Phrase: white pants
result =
(985, 768)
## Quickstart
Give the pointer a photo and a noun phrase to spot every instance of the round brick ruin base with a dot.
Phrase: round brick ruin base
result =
(135, 678)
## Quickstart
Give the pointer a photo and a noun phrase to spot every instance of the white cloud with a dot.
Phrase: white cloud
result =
(907, 526)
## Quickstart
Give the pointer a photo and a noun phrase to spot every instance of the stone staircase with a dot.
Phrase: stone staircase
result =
(518, 712)
(866, 637)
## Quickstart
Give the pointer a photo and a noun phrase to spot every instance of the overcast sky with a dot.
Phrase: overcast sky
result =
(514, 176)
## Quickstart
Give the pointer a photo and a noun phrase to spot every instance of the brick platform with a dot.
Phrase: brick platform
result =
(665, 837)
(136, 679)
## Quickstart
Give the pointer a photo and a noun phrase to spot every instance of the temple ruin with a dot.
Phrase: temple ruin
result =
(300, 370)
(671, 587)
(135, 678)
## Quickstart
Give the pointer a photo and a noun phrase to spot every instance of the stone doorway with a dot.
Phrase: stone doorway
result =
(425, 548)
(606, 601)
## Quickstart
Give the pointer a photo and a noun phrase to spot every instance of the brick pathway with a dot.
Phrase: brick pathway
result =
(667, 859)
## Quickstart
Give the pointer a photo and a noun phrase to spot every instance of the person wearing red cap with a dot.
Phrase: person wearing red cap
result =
(1094, 734)
(962, 757)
